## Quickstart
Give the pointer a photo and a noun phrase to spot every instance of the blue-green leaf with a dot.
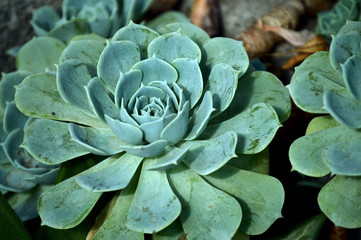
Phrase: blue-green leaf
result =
(171, 157)
(127, 85)
(69, 29)
(339, 200)
(167, 18)
(115, 173)
(39, 54)
(13, 118)
(125, 131)
(261, 196)
(207, 156)
(207, 213)
(118, 56)
(147, 151)
(171, 46)
(352, 75)
(154, 206)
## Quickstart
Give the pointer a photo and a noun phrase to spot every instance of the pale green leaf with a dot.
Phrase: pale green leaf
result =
(167, 18)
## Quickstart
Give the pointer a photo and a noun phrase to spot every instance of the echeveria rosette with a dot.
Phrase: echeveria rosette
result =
(330, 83)
(22, 177)
(102, 17)
(147, 100)
(331, 21)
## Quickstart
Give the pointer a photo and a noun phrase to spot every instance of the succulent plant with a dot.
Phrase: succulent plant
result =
(102, 17)
(328, 83)
(331, 21)
(179, 120)
(23, 178)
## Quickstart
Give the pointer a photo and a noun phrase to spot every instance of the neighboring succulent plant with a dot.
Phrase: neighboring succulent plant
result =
(169, 110)
(22, 177)
(331, 21)
(102, 17)
(330, 83)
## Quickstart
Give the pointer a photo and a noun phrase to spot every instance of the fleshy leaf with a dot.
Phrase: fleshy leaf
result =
(13, 179)
(167, 18)
(138, 34)
(13, 118)
(255, 127)
(152, 129)
(100, 141)
(173, 231)
(100, 100)
(127, 85)
(311, 79)
(257, 163)
(198, 35)
(225, 50)
(154, 205)
(222, 83)
(114, 225)
(118, 171)
(207, 156)
(189, 79)
(207, 213)
(261, 196)
(155, 69)
(352, 75)
(306, 152)
(259, 86)
(38, 96)
(118, 56)
(43, 20)
(39, 54)
(71, 77)
(344, 46)
(201, 117)
(146, 151)
(49, 141)
(339, 200)
(70, 29)
(177, 128)
(25, 203)
(343, 107)
(171, 157)
(125, 131)
(66, 204)
(321, 123)
(171, 46)
(86, 51)
(343, 158)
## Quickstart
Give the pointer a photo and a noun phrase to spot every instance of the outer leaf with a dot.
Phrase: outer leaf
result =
(173, 231)
(339, 199)
(174, 45)
(261, 196)
(71, 28)
(43, 20)
(113, 176)
(114, 225)
(189, 79)
(138, 34)
(117, 57)
(66, 204)
(343, 107)
(71, 77)
(343, 158)
(225, 50)
(49, 142)
(38, 96)
(11, 226)
(13, 118)
(258, 163)
(344, 46)
(306, 152)
(352, 74)
(167, 18)
(255, 128)
(207, 213)
(207, 156)
(39, 54)
(311, 79)
(87, 51)
(321, 123)
(100, 141)
(154, 206)
(198, 35)
(260, 87)
(222, 83)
